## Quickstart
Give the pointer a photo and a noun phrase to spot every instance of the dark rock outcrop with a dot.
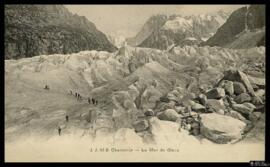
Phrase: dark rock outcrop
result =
(243, 29)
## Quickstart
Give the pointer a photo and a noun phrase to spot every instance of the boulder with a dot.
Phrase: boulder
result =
(236, 115)
(149, 112)
(254, 116)
(256, 100)
(168, 115)
(260, 93)
(194, 114)
(162, 106)
(172, 97)
(243, 109)
(202, 99)
(220, 111)
(216, 105)
(227, 86)
(250, 105)
(215, 93)
(140, 125)
(239, 88)
(220, 128)
(237, 75)
(198, 107)
(243, 97)
(254, 86)
(245, 81)
(259, 82)
(187, 103)
(179, 109)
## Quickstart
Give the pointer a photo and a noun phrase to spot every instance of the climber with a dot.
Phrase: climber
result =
(80, 97)
(46, 87)
(70, 92)
(59, 130)
(67, 118)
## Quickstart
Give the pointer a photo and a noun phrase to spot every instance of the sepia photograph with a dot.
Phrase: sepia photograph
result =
(134, 83)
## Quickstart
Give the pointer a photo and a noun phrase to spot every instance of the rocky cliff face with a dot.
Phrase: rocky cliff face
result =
(256, 17)
(32, 30)
(162, 31)
(243, 29)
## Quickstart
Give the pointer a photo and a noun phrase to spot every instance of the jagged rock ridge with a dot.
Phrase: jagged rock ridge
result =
(161, 31)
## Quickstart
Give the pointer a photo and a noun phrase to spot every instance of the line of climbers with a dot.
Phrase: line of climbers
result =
(79, 97)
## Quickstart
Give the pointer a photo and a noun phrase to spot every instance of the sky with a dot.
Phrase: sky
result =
(127, 20)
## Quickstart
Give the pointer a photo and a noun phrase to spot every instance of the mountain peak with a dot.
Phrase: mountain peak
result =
(161, 31)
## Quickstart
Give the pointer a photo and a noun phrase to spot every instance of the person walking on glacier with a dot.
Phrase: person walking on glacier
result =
(59, 130)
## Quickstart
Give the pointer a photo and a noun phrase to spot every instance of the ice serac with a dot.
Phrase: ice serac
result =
(118, 41)
(32, 30)
(220, 128)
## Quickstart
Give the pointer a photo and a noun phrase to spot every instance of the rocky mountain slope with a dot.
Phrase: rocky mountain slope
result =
(162, 31)
(245, 28)
(32, 30)
(135, 88)
(153, 24)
